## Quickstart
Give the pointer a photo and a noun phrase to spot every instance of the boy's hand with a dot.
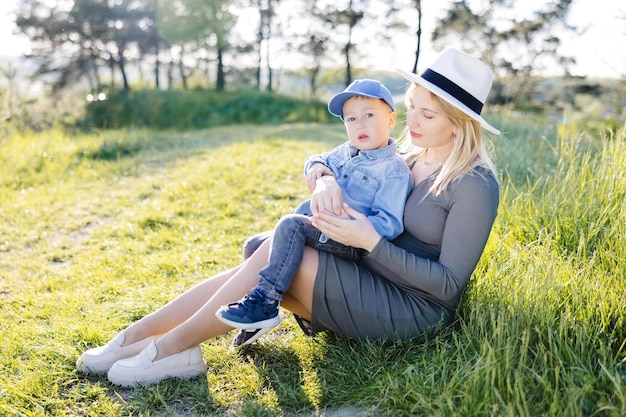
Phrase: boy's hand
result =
(355, 231)
(316, 172)
(327, 196)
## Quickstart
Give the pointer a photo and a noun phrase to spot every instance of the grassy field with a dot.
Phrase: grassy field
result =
(99, 229)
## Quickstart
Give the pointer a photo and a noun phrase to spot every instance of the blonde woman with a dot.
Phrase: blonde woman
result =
(400, 289)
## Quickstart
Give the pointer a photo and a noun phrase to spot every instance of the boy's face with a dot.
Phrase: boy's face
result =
(368, 122)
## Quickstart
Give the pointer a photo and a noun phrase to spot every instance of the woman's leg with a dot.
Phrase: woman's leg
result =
(299, 297)
(178, 310)
(310, 264)
(186, 322)
(203, 324)
(253, 243)
(141, 334)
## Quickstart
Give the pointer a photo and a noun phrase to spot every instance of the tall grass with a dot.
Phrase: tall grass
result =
(98, 230)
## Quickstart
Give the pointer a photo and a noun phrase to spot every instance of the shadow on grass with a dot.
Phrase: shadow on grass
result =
(170, 146)
(171, 397)
(280, 371)
(328, 373)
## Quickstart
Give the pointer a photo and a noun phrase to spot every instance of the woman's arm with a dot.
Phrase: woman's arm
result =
(472, 211)
(352, 229)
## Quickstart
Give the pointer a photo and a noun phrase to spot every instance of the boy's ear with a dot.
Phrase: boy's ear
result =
(392, 120)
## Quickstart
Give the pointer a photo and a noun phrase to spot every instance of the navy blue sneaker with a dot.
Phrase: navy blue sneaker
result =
(305, 325)
(249, 336)
(251, 312)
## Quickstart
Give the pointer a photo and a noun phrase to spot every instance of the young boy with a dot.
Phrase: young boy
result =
(375, 181)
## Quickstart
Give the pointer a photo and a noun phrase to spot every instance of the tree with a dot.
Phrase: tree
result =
(395, 21)
(75, 39)
(53, 34)
(305, 42)
(150, 44)
(196, 25)
(515, 47)
(315, 48)
(73, 43)
(418, 33)
(129, 31)
(267, 12)
(349, 17)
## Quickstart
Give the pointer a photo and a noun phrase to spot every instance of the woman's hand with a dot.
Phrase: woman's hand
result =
(316, 172)
(327, 196)
(355, 231)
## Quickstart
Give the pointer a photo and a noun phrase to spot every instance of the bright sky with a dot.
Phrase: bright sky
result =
(600, 52)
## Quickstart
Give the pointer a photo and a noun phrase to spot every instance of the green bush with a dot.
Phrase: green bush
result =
(199, 109)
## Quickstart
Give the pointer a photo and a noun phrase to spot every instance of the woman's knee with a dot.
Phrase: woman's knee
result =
(252, 244)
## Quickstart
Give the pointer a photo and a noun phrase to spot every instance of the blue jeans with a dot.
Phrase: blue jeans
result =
(291, 234)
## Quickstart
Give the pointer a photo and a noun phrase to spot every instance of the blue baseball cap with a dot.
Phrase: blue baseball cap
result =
(363, 87)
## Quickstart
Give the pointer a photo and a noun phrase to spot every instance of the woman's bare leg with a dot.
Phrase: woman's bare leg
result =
(290, 301)
(203, 325)
(299, 296)
(178, 310)
(190, 318)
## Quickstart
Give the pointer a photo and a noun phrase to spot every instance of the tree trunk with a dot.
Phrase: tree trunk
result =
(313, 81)
(418, 6)
(347, 55)
(156, 67)
(354, 19)
(181, 69)
(269, 68)
(268, 27)
(122, 67)
(221, 82)
(112, 70)
(170, 75)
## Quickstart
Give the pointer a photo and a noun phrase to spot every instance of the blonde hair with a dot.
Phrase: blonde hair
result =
(469, 150)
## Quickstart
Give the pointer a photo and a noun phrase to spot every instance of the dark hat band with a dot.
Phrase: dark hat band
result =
(453, 89)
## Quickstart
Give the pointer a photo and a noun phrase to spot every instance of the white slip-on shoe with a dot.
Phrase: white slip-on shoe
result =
(99, 360)
(141, 370)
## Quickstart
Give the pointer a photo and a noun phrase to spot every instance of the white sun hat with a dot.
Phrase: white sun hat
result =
(460, 79)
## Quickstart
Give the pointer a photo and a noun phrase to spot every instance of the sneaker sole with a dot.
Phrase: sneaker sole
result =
(247, 337)
(305, 325)
(264, 324)
(186, 372)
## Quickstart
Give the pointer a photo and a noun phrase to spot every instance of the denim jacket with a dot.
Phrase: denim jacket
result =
(375, 183)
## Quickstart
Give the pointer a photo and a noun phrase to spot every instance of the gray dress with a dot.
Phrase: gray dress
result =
(413, 283)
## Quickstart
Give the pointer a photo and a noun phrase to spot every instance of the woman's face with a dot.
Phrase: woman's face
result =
(428, 126)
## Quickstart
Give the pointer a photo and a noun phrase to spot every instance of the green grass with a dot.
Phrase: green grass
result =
(100, 229)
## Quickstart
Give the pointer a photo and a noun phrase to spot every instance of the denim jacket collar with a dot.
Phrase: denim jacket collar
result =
(383, 152)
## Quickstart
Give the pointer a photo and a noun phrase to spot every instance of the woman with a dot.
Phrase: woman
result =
(402, 288)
